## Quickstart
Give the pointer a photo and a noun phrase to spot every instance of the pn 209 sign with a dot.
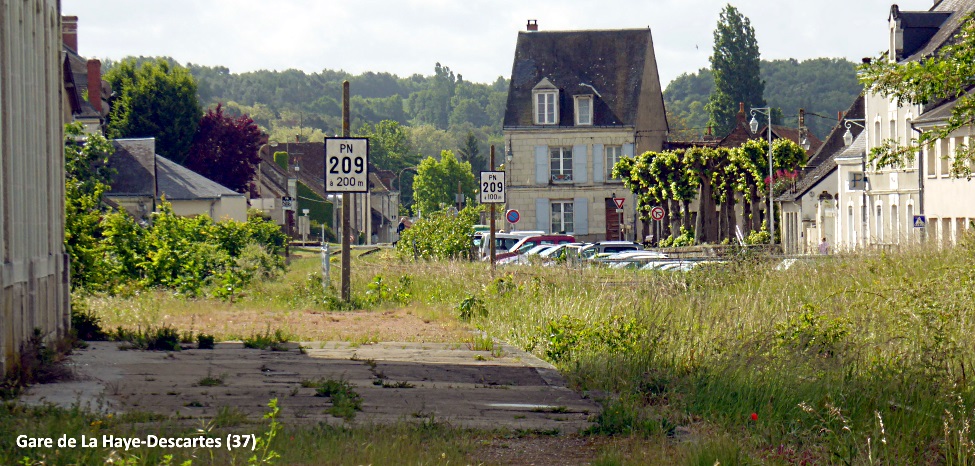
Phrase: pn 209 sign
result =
(492, 188)
(346, 165)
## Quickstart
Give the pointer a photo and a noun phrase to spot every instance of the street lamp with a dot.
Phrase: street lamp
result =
(509, 155)
(848, 136)
(753, 125)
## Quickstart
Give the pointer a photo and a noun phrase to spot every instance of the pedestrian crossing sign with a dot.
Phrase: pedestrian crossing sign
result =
(918, 221)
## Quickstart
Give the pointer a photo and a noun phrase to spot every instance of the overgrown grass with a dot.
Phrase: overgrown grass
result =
(849, 359)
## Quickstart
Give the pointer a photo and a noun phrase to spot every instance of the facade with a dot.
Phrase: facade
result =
(949, 201)
(831, 183)
(34, 287)
(895, 194)
(577, 102)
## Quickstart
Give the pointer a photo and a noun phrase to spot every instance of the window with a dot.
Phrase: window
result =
(546, 108)
(562, 217)
(945, 158)
(851, 232)
(895, 226)
(584, 110)
(932, 160)
(561, 158)
(613, 154)
(880, 224)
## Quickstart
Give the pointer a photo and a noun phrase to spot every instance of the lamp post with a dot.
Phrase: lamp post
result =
(753, 125)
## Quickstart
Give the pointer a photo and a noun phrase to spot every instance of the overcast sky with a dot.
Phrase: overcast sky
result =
(475, 38)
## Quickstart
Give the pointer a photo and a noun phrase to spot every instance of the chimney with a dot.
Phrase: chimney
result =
(740, 116)
(533, 25)
(69, 32)
(866, 60)
(95, 84)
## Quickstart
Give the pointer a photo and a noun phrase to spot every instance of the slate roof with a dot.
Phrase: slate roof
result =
(823, 161)
(957, 9)
(610, 65)
(134, 165)
(139, 172)
(940, 112)
(76, 82)
(177, 182)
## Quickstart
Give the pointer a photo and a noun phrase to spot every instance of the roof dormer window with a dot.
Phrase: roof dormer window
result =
(546, 99)
(583, 110)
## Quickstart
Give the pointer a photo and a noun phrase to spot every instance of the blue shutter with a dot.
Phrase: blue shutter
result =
(542, 169)
(580, 215)
(628, 150)
(598, 164)
(543, 216)
(580, 163)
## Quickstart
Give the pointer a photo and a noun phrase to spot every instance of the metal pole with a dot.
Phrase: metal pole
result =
(771, 182)
(492, 217)
(346, 230)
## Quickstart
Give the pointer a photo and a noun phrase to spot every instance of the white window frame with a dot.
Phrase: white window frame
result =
(546, 106)
(560, 164)
(562, 216)
(611, 160)
(583, 116)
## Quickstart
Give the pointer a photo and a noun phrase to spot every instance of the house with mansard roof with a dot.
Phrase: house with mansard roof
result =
(577, 102)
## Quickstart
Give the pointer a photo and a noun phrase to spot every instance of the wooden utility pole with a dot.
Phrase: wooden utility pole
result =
(492, 217)
(346, 230)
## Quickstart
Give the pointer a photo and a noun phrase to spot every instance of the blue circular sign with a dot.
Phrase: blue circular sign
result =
(512, 216)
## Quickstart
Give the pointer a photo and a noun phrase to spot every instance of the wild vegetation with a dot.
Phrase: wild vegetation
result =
(836, 360)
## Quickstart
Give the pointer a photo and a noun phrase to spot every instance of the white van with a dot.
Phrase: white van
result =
(503, 241)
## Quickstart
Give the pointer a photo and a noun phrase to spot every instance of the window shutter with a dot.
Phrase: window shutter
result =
(543, 217)
(598, 164)
(580, 215)
(580, 163)
(628, 150)
(542, 168)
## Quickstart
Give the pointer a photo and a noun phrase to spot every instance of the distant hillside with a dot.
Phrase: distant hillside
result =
(821, 85)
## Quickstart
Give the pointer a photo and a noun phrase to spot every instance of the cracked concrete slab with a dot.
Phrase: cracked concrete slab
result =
(504, 388)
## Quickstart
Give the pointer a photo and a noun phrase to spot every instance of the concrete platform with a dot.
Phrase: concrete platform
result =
(507, 388)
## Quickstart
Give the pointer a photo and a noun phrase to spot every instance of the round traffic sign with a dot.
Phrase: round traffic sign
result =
(512, 216)
(657, 213)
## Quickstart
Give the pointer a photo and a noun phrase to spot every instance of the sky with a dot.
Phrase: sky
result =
(475, 38)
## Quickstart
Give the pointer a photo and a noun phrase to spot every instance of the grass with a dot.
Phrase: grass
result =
(843, 359)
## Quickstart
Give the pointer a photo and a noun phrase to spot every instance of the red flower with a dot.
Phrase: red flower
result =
(754, 416)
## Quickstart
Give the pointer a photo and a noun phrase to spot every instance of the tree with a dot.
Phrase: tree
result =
(943, 77)
(471, 152)
(390, 147)
(736, 68)
(435, 183)
(86, 178)
(155, 99)
(225, 150)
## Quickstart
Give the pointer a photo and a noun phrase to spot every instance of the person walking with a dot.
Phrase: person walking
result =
(824, 247)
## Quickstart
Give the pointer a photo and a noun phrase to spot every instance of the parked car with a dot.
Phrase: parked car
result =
(528, 242)
(602, 247)
(502, 241)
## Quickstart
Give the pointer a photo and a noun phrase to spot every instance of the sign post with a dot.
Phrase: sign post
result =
(619, 211)
(493, 192)
(657, 214)
(346, 171)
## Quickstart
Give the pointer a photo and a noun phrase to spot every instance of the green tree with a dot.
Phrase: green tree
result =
(435, 183)
(441, 235)
(736, 68)
(470, 152)
(390, 147)
(154, 99)
(943, 77)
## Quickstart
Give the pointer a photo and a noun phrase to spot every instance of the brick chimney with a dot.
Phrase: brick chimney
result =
(95, 84)
(69, 32)
(740, 116)
(533, 25)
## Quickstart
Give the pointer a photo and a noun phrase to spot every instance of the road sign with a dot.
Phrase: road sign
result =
(657, 213)
(492, 188)
(919, 221)
(619, 211)
(346, 165)
(512, 216)
(287, 203)
(619, 202)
